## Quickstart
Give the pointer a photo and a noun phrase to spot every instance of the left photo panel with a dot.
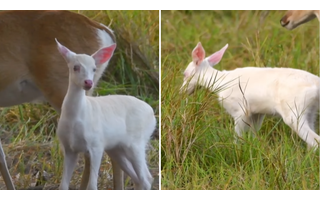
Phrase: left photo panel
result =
(79, 100)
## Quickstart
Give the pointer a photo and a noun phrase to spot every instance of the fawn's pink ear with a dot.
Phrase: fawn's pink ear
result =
(104, 54)
(216, 57)
(64, 51)
(198, 54)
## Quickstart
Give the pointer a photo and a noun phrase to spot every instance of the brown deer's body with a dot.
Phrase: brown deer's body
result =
(31, 68)
(294, 18)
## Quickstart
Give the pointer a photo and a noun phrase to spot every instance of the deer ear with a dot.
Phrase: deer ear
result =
(198, 54)
(64, 51)
(104, 54)
(217, 56)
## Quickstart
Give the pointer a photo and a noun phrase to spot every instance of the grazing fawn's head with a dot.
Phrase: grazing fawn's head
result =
(199, 65)
(82, 67)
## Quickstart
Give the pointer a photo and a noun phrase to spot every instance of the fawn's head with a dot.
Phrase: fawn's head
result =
(198, 67)
(82, 67)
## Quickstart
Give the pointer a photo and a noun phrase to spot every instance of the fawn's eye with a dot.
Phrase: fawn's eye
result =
(76, 68)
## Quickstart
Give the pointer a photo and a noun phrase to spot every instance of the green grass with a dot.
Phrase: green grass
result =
(197, 149)
(28, 132)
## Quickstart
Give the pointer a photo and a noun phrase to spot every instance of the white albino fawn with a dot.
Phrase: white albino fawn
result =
(249, 93)
(31, 69)
(117, 124)
(294, 18)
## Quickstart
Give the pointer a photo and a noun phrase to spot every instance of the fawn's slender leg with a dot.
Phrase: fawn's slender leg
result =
(301, 127)
(86, 172)
(301, 120)
(69, 163)
(118, 155)
(137, 156)
(242, 125)
(117, 176)
(95, 162)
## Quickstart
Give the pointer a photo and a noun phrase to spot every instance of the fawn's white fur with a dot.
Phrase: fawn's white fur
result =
(117, 124)
(251, 92)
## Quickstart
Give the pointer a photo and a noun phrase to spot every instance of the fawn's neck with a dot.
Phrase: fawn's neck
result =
(74, 101)
(212, 79)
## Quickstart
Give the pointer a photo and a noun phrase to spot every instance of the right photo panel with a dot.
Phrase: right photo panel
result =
(240, 100)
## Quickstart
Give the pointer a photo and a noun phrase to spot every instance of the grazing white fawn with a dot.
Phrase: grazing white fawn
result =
(31, 69)
(119, 125)
(294, 18)
(249, 93)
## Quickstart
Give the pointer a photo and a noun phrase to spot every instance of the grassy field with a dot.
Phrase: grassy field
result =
(197, 149)
(28, 131)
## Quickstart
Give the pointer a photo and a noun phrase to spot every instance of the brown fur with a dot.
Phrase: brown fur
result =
(299, 17)
(28, 48)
